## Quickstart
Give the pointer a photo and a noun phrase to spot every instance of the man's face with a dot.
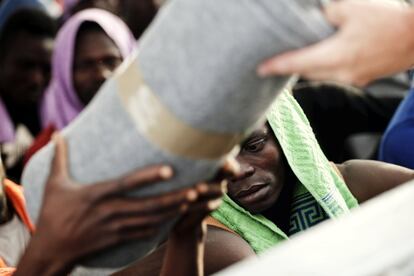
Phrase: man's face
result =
(96, 58)
(25, 69)
(262, 172)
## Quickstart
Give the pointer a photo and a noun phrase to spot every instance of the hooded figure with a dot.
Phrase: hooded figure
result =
(61, 103)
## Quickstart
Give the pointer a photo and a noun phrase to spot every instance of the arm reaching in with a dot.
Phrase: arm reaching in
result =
(79, 220)
(373, 40)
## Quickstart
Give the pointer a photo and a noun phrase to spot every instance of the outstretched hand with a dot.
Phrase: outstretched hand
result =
(185, 247)
(78, 220)
(373, 40)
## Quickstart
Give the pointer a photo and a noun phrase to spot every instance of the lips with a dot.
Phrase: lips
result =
(253, 193)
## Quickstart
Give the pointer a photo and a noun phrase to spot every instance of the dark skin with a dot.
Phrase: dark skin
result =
(77, 221)
(261, 161)
(137, 14)
(364, 178)
(100, 216)
(24, 75)
(96, 58)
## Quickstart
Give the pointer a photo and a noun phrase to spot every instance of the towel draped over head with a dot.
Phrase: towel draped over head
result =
(314, 172)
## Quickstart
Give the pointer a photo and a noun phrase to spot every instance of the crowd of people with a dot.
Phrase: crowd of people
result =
(356, 81)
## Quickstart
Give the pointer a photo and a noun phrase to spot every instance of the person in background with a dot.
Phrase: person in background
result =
(88, 49)
(8, 7)
(341, 114)
(137, 14)
(70, 7)
(26, 45)
(397, 142)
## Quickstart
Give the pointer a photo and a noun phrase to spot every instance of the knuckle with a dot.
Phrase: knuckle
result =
(117, 227)
(87, 196)
(105, 213)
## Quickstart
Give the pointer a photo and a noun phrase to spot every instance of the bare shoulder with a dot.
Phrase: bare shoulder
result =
(223, 248)
(367, 179)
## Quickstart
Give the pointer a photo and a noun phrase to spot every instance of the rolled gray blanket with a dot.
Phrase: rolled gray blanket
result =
(186, 97)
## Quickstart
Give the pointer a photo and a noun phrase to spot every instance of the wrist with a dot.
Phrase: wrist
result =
(40, 259)
(191, 237)
(408, 33)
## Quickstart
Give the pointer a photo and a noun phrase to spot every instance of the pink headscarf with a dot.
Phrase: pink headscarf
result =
(60, 102)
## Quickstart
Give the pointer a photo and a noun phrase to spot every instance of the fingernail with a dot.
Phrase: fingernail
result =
(224, 184)
(214, 204)
(202, 188)
(233, 165)
(55, 136)
(166, 172)
(191, 195)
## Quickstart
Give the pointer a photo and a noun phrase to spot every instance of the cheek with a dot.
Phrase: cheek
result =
(80, 80)
(11, 72)
(272, 158)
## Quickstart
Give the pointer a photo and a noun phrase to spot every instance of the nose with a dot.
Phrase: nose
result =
(246, 170)
(38, 78)
(102, 73)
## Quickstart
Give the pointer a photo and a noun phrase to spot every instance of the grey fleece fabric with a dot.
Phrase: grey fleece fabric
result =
(199, 58)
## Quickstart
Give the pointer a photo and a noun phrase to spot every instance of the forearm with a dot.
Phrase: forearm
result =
(183, 257)
(38, 260)
(366, 179)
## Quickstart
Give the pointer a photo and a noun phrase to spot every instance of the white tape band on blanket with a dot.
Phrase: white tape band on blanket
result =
(163, 128)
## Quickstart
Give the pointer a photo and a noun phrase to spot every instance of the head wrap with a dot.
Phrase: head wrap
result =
(60, 103)
(316, 176)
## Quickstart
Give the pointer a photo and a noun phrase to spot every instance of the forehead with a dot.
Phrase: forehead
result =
(23, 44)
(94, 43)
(262, 130)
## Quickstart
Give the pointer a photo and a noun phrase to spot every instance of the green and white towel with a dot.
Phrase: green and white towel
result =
(316, 177)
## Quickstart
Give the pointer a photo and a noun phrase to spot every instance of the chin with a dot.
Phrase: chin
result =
(257, 209)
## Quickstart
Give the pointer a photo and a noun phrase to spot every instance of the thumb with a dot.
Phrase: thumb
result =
(59, 163)
(337, 12)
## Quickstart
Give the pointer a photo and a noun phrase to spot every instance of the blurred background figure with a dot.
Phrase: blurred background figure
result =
(89, 47)
(26, 45)
(137, 14)
(8, 7)
(349, 121)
